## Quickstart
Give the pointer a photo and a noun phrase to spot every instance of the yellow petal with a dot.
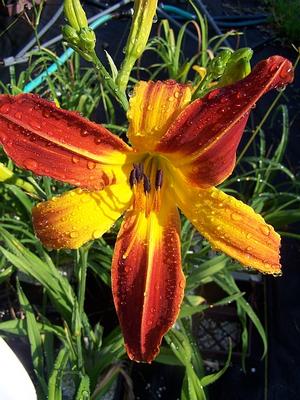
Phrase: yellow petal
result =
(232, 227)
(70, 220)
(153, 107)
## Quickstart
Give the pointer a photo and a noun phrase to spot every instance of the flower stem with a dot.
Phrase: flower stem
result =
(110, 83)
(83, 251)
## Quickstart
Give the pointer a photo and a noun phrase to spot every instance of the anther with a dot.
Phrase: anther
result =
(139, 171)
(132, 178)
(158, 179)
(147, 185)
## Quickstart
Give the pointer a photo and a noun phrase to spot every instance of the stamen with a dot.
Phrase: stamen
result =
(133, 178)
(139, 171)
(158, 179)
(147, 185)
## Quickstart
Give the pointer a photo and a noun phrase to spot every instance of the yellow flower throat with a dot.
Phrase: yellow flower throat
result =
(146, 180)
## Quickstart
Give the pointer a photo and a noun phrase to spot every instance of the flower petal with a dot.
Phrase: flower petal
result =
(70, 220)
(147, 280)
(50, 141)
(232, 227)
(202, 141)
(153, 107)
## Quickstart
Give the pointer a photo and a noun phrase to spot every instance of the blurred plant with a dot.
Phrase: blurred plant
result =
(286, 15)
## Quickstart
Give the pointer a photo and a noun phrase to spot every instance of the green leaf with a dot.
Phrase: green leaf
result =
(34, 338)
(83, 392)
(206, 270)
(112, 65)
(55, 381)
(58, 288)
(5, 274)
(208, 379)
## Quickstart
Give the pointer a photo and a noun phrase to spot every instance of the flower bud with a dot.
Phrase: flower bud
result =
(75, 14)
(144, 11)
(238, 67)
(70, 35)
(87, 39)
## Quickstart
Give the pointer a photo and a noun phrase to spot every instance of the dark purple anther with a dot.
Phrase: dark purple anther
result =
(132, 177)
(147, 185)
(158, 179)
(139, 171)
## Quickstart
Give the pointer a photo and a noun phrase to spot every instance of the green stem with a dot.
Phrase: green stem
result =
(83, 251)
(110, 83)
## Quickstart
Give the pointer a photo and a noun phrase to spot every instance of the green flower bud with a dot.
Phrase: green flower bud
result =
(70, 35)
(75, 14)
(218, 64)
(87, 39)
(238, 67)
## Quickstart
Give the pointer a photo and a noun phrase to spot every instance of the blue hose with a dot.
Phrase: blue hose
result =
(61, 59)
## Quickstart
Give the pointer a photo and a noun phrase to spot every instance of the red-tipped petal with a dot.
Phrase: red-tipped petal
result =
(50, 141)
(147, 280)
(203, 140)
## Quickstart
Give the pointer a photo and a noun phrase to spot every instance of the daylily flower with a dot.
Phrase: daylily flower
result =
(181, 150)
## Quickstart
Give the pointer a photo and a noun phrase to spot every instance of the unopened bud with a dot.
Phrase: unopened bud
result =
(238, 67)
(70, 34)
(75, 14)
(87, 39)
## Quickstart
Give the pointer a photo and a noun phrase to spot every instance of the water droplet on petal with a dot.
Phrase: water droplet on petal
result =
(265, 230)
(18, 115)
(84, 132)
(91, 165)
(35, 124)
(75, 160)
(5, 108)
(96, 234)
(73, 234)
(30, 163)
(236, 217)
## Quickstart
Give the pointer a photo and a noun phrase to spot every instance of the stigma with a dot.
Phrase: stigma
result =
(146, 181)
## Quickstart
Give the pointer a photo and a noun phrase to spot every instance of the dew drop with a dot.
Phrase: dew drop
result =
(280, 88)
(35, 124)
(235, 217)
(265, 230)
(18, 115)
(97, 140)
(73, 234)
(84, 132)
(176, 95)
(96, 235)
(91, 165)
(5, 108)
(30, 163)
(75, 160)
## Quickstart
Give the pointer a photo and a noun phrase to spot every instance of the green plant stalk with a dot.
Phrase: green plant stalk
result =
(103, 74)
(7, 176)
(84, 251)
(144, 11)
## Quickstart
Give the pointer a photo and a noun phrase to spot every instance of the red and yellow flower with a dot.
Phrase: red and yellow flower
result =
(180, 151)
